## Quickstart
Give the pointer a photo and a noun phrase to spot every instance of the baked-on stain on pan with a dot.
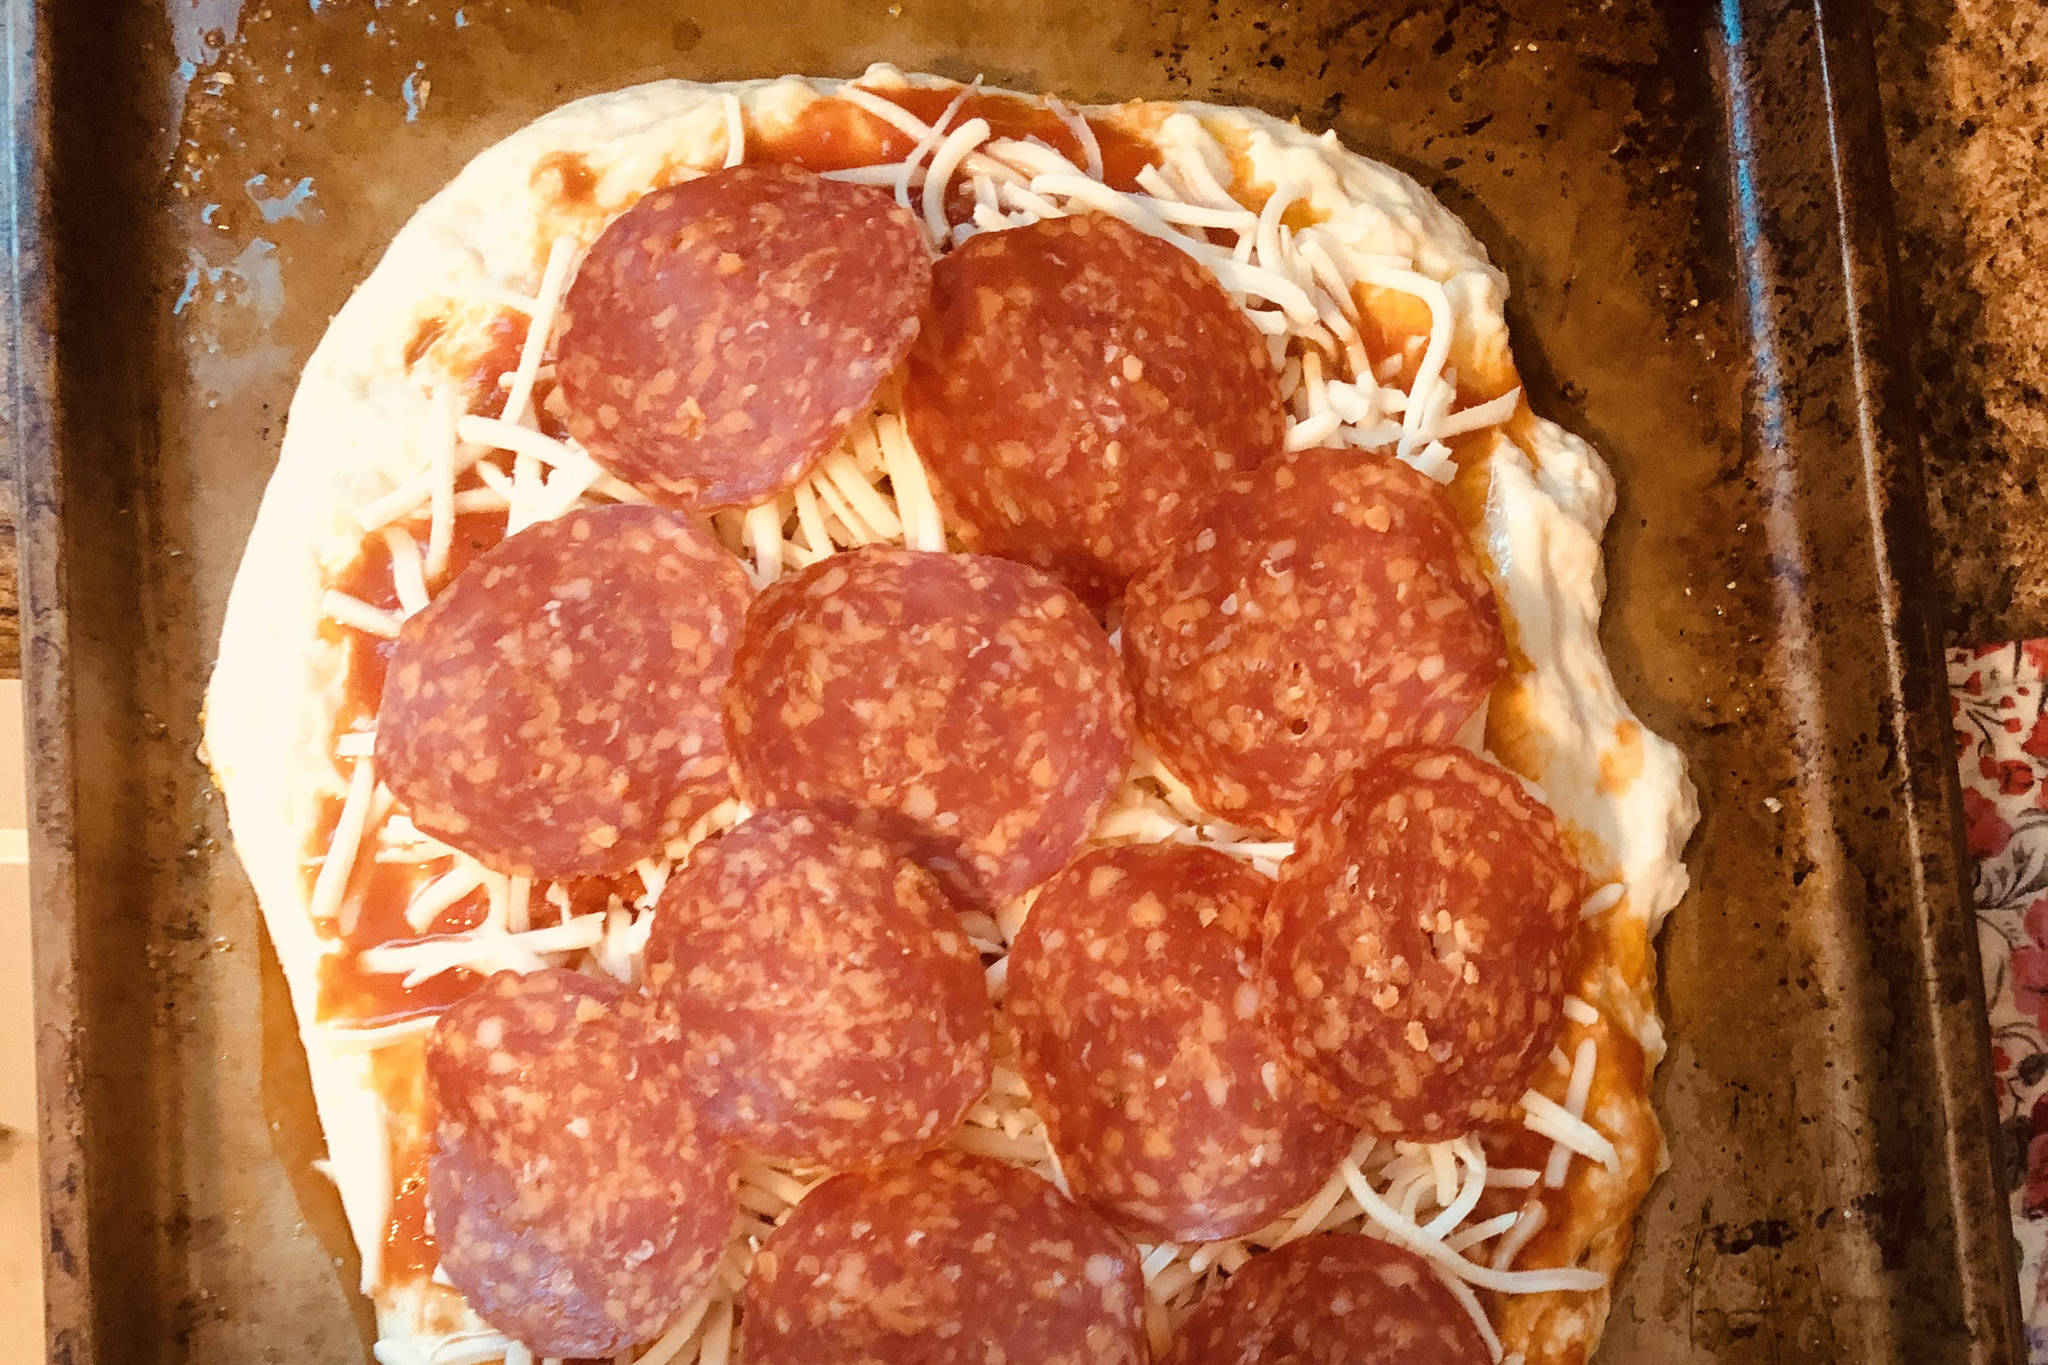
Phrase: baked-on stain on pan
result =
(1692, 208)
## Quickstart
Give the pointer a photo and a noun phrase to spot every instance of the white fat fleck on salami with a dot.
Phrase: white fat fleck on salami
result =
(1133, 992)
(555, 711)
(964, 706)
(1080, 388)
(1416, 945)
(1326, 608)
(955, 1260)
(723, 333)
(1337, 1299)
(836, 1007)
(578, 1201)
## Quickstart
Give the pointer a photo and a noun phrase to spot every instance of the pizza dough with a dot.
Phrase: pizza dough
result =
(367, 477)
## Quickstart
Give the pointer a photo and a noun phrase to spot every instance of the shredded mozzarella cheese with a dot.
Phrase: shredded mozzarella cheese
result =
(408, 569)
(332, 880)
(860, 494)
(1476, 1233)
(1547, 1118)
(1535, 1213)
(1575, 1095)
(717, 1345)
(360, 1039)
(441, 498)
(436, 896)
(1242, 277)
(764, 538)
(1091, 148)
(471, 1348)
(357, 614)
(517, 917)
(1468, 1301)
(888, 111)
(951, 152)
(1601, 901)
(735, 138)
(484, 950)
(1402, 1229)
(1475, 418)
(923, 527)
(518, 408)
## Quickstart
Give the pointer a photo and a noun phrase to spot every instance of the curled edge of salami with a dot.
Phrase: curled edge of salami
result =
(1080, 389)
(577, 1201)
(1329, 607)
(951, 1248)
(966, 707)
(1331, 1299)
(556, 710)
(838, 1011)
(1133, 993)
(723, 333)
(1417, 941)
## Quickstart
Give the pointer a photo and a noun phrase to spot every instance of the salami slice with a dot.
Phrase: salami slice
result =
(578, 1202)
(1329, 607)
(1337, 1299)
(966, 707)
(1080, 388)
(555, 711)
(724, 332)
(1416, 946)
(954, 1260)
(826, 980)
(1133, 992)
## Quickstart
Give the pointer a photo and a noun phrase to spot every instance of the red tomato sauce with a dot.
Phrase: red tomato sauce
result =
(835, 135)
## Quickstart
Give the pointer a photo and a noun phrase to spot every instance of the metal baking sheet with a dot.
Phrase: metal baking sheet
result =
(1691, 202)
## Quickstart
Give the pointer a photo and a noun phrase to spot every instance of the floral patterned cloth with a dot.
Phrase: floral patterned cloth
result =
(1997, 695)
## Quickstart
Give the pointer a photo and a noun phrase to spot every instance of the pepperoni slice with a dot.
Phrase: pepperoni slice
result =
(1329, 607)
(1338, 1299)
(578, 1202)
(555, 711)
(843, 1011)
(1080, 388)
(724, 332)
(1416, 945)
(1132, 988)
(965, 707)
(954, 1260)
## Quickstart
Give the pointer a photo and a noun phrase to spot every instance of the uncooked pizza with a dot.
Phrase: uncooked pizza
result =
(886, 721)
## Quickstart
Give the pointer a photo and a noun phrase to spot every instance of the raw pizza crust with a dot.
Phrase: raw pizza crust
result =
(359, 427)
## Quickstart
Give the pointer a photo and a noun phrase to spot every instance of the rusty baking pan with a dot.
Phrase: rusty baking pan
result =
(1692, 204)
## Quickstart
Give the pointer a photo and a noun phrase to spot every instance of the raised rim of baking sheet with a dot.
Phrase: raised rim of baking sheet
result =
(1692, 203)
